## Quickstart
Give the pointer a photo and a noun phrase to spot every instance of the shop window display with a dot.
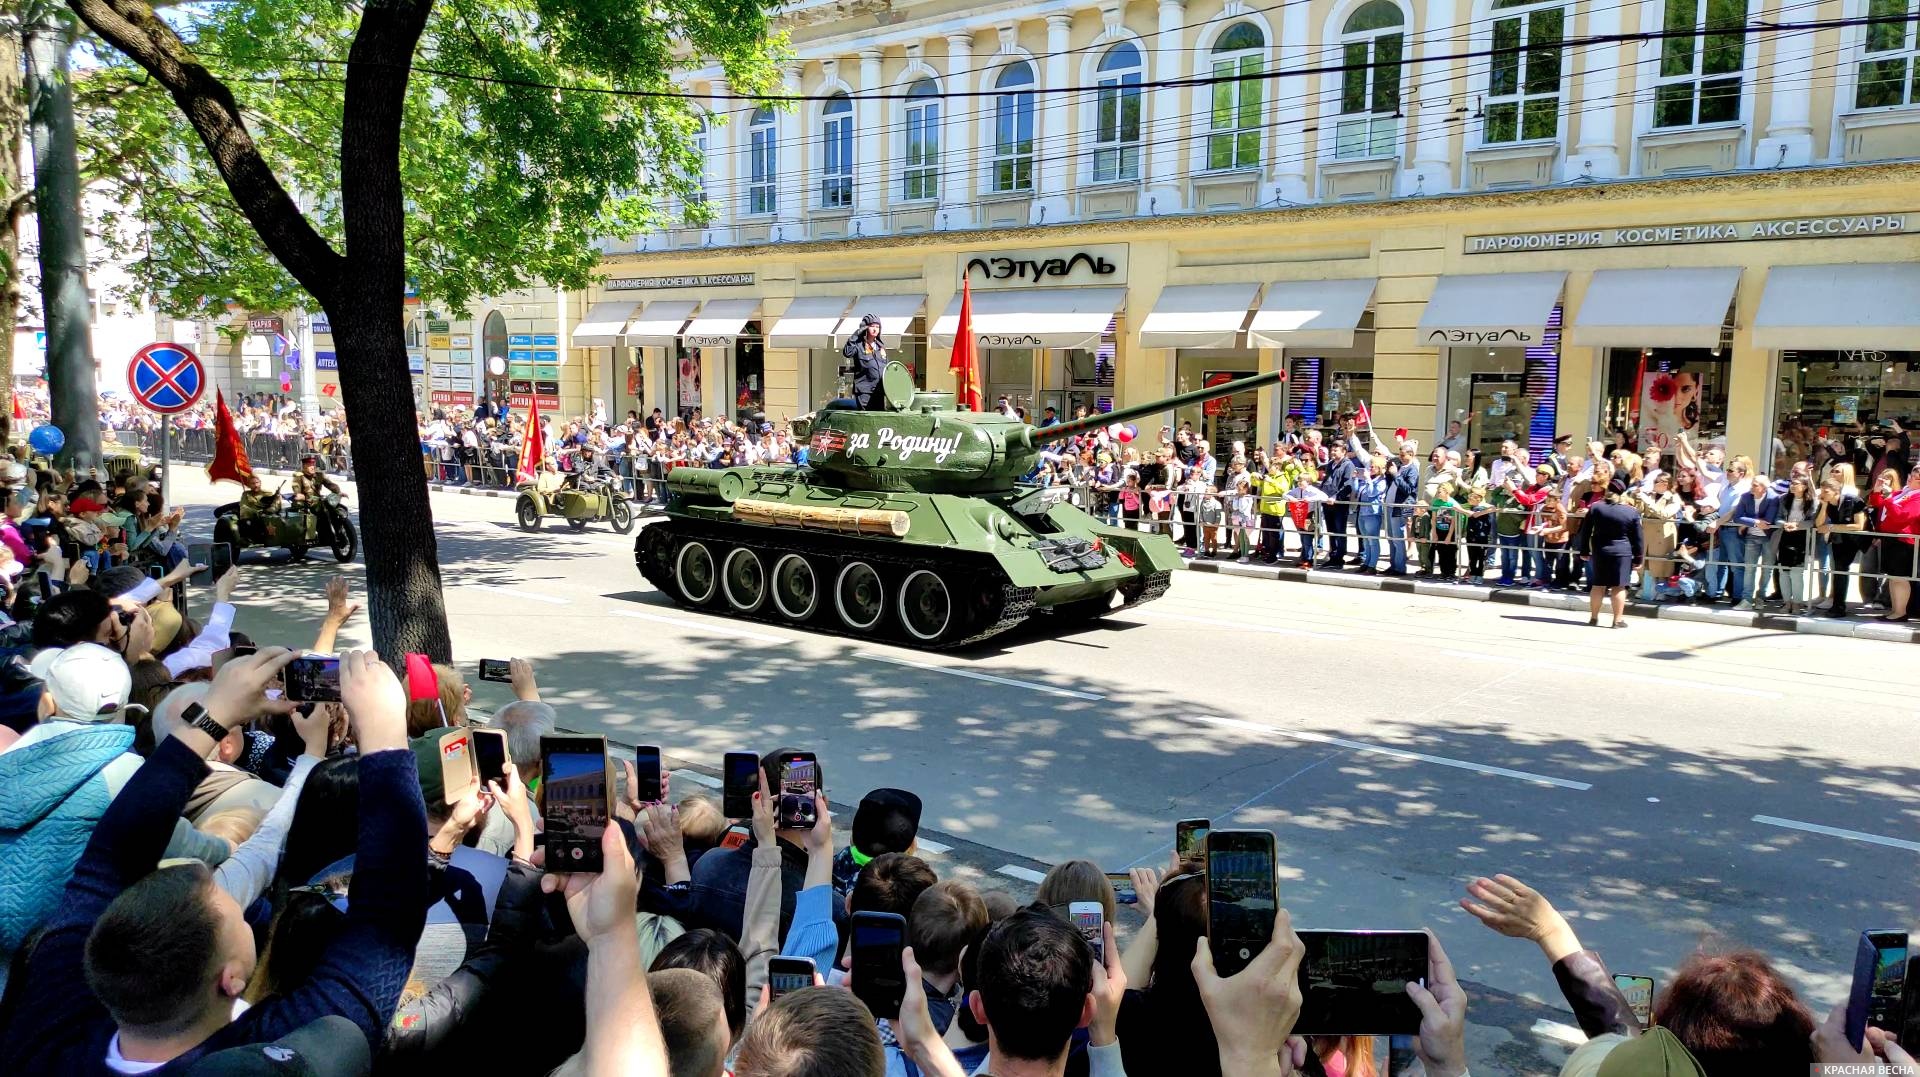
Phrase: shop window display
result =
(1678, 390)
(1855, 397)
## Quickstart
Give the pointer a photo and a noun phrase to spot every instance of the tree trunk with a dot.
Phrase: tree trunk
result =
(63, 252)
(13, 120)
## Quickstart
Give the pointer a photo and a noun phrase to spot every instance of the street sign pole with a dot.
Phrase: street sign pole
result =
(166, 459)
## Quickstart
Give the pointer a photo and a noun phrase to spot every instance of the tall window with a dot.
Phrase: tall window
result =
(763, 171)
(1372, 44)
(1890, 73)
(1116, 149)
(1699, 78)
(921, 177)
(699, 193)
(1523, 79)
(1013, 128)
(836, 153)
(1233, 135)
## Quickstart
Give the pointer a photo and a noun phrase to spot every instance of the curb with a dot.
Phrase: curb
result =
(1464, 592)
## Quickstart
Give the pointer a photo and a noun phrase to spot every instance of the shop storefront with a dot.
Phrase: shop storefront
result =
(1498, 335)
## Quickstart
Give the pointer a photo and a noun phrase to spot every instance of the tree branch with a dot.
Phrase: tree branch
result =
(208, 103)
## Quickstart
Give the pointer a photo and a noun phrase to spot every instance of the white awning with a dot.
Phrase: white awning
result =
(1491, 309)
(809, 322)
(659, 325)
(1198, 316)
(1655, 308)
(1310, 313)
(1840, 308)
(719, 323)
(1034, 317)
(603, 322)
(896, 314)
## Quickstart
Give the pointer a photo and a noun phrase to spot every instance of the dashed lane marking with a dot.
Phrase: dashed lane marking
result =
(1239, 626)
(714, 629)
(1626, 674)
(1025, 875)
(1010, 682)
(514, 592)
(1836, 832)
(1397, 753)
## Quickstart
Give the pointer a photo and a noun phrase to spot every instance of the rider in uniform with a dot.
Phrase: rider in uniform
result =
(308, 487)
(869, 357)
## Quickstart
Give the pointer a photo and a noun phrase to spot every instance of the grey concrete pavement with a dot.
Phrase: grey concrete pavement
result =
(1663, 784)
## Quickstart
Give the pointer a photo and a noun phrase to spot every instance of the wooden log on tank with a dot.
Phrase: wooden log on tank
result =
(822, 517)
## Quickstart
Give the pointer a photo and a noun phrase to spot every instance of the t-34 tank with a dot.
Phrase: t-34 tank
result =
(908, 523)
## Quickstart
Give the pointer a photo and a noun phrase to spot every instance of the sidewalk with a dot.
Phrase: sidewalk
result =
(1859, 628)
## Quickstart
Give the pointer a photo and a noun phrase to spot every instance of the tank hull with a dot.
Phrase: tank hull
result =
(934, 571)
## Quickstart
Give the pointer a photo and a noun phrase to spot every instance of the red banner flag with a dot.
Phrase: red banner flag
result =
(230, 463)
(533, 444)
(1363, 417)
(965, 361)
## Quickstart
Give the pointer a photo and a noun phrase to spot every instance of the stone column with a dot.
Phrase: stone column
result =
(795, 190)
(870, 165)
(1288, 147)
(1053, 128)
(959, 169)
(727, 196)
(1166, 162)
(1597, 154)
(1789, 138)
(1425, 131)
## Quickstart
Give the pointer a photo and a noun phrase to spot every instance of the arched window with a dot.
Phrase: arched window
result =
(1116, 150)
(920, 177)
(1233, 132)
(763, 163)
(836, 153)
(1701, 65)
(1372, 43)
(1013, 128)
(1890, 66)
(493, 341)
(699, 194)
(1523, 76)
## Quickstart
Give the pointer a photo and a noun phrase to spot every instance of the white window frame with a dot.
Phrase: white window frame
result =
(1116, 159)
(763, 164)
(1379, 131)
(1908, 53)
(921, 117)
(1014, 97)
(701, 128)
(1696, 75)
(1231, 64)
(1521, 96)
(837, 141)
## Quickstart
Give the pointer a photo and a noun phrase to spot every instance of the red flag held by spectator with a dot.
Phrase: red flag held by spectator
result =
(1363, 417)
(230, 463)
(329, 389)
(965, 361)
(533, 446)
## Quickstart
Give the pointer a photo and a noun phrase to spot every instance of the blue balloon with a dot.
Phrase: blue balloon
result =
(47, 439)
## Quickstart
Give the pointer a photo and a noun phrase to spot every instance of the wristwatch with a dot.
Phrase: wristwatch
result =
(196, 716)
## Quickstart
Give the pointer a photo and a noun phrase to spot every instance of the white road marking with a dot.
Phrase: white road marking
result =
(718, 628)
(1241, 626)
(1023, 874)
(928, 845)
(1566, 1035)
(971, 675)
(514, 592)
(1836, 832)
(1397, 753)
(1627, 674)
(696, 778)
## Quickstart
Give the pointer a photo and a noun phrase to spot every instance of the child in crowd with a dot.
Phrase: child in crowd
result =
(1480, 515)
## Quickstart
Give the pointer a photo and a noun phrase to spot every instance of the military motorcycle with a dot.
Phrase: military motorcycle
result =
(273, 520)
(585, 499)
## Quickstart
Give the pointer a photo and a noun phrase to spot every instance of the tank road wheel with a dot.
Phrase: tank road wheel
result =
(859, 596)
(743, 579)
(925, 606)
(796, 587)
(693, 572)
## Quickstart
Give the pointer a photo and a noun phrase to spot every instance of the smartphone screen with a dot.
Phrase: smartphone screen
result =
(200, 553)
(458, 775)
(799, 780)
(1879, 976)
(1190, 837)
(878, 980)
(1241, 897)
(786, 974)
(314, 678)
(490, 755)
(1354, 983)
(1639, 994)
(646, 767)
(496, 669)
(740, 779)
(1123, 891)
(1089, 919)
(574, 801)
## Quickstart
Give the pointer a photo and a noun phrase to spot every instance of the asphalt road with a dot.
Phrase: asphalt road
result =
(1668, 785)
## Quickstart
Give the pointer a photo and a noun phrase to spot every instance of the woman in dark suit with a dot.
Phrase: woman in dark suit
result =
(1611, 544)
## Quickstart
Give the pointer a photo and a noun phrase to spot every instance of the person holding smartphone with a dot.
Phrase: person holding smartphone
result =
(722, 875)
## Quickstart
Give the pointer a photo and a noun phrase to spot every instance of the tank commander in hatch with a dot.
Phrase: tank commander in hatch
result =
(869, 357)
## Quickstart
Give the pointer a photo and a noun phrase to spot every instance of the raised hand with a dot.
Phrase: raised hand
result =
(1511, 908)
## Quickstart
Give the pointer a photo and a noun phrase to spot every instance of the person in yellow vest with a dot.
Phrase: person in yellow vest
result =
(1273, 487)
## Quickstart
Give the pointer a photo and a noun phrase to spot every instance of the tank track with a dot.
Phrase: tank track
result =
(995, 613)
(1156, 585)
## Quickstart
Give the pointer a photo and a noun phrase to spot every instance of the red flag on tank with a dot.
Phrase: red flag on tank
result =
(965, 361)
(230, 463)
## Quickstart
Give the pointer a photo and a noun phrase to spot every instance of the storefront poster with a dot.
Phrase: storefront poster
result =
(1846, 409)
(690, 380)
(1496, 403)
(439, 341)
(1669, 406)
(416, 361)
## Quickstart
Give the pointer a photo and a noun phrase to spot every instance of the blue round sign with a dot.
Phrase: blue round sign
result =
(166, 378)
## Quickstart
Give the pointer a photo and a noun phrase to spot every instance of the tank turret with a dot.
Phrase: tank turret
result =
(918, 441)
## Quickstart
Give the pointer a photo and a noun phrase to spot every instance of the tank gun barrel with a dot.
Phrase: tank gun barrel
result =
(1197, 396)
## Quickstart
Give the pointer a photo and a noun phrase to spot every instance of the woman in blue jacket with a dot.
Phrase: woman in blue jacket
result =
(1370, 491)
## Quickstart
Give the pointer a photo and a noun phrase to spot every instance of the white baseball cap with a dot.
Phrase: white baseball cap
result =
(89, 683)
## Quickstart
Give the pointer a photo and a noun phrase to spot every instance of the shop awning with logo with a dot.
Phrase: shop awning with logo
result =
(1681, 307)
(719, 323)
(1198, 316)
(601, 326)
(659, 325)
(1310, 313)
(1034, 317)
(1840, 308)
(896, 314)
(1491, 310)
(809, 322)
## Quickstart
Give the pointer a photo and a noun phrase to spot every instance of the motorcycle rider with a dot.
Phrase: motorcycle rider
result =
(869, 355)
(308, 487)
